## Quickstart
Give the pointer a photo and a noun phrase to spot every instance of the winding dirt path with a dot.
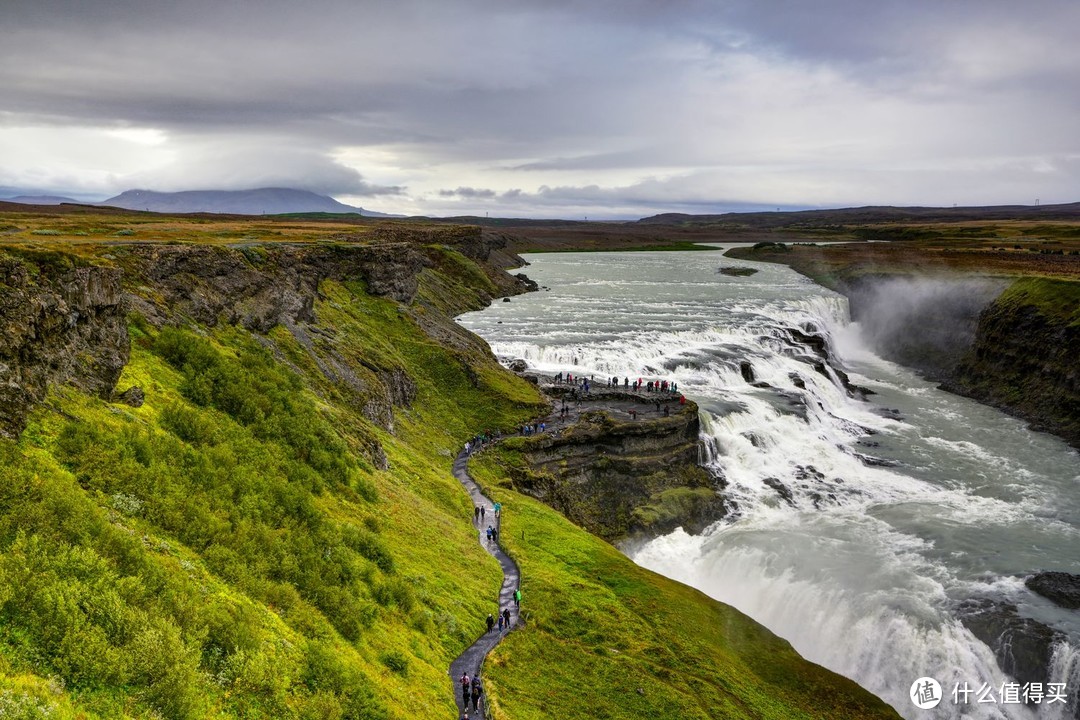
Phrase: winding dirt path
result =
(469, 662)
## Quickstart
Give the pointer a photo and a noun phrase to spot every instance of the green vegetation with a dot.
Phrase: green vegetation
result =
(1058, 299)
(606, 638)
(275, 532)
(230, 548)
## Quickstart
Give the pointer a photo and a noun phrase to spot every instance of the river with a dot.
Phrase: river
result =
(863, 567)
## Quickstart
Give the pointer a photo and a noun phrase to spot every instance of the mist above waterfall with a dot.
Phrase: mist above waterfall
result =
(924, 322)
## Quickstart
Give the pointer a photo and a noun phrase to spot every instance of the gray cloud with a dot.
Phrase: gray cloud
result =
(631, 104)
(468, 192)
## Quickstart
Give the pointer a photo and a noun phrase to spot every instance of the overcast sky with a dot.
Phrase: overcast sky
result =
(599, 108)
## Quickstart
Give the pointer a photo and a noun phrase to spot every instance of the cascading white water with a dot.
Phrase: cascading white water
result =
(860, 525)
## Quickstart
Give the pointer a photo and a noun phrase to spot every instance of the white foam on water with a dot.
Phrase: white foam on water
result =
(860, 567)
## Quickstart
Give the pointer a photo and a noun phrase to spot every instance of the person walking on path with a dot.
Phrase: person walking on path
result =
(506, 617)
(517, 597)
(477, 691)
(476, 514)
(495, 535)
(500, 622)
(490, 621)
(483, 511)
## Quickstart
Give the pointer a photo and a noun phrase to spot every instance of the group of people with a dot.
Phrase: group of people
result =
(480, 514)
(533, 428)
(503, 620)
(663, 386)
(481, 440)
(471, 689)
(640, 384)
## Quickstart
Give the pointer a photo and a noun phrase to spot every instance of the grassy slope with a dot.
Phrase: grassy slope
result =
(189, 559)
(608, 639)
(230, 550)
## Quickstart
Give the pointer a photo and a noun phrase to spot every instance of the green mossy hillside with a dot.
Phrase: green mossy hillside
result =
(275, 533)
(605, 638)
(232, 548)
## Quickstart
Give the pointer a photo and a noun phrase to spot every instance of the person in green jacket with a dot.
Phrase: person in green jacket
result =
(517, 597)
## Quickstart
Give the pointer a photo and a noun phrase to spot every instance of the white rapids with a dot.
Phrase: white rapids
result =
(862, 566)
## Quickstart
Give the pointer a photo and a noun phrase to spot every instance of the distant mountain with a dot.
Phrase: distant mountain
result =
(40, 199)
(872, 214)
(262, 201)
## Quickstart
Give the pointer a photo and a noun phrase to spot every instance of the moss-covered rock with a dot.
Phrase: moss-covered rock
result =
(1024, 359)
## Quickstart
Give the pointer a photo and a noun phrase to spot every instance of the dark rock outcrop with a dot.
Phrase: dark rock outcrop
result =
(623, 480)
(1060, 587)
(1023, 647)
(58, 324)
(259, 288)
(781, 489)
(747, 371)
(810, 338)
(133, 396)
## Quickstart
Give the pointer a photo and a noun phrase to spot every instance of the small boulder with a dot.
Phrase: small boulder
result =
(133, 396)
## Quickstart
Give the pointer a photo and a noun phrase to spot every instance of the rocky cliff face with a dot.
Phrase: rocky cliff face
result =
(623, 479)
(1025, 356)
(259, 287)
(62, 323)
(58, 324)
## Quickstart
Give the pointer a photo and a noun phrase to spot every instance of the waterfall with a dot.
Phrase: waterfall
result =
(860, 525)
